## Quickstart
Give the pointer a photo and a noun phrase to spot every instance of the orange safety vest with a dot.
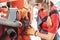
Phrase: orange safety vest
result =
(20, 4)
(21, 34)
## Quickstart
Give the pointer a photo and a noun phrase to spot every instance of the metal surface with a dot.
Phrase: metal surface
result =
(7, 0)
(7, 22)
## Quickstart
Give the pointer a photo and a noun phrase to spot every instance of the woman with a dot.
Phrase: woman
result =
(51, 30)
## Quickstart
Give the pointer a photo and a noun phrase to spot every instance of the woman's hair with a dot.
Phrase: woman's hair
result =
(44, 6)
(51, 3)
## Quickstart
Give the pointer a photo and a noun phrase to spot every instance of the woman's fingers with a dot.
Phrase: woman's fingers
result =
(30, 31)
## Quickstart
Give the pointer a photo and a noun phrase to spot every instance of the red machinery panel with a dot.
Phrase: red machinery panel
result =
(6, 0)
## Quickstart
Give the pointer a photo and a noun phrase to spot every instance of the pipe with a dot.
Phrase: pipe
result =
(4, 21)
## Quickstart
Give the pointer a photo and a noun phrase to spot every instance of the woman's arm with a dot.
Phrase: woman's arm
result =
(48, 36)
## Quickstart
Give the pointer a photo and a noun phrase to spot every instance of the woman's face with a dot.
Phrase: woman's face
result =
(39, 5)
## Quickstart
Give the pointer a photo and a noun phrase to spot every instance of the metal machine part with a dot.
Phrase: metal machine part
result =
(11, 19)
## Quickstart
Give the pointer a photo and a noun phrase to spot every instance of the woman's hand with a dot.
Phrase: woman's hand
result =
(30, 31)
